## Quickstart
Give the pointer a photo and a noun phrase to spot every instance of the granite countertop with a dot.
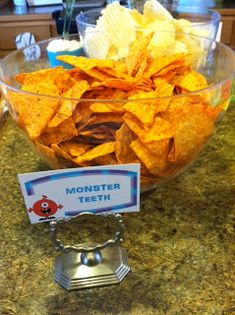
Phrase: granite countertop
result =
(181, 244)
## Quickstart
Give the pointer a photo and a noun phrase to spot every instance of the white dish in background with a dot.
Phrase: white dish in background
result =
(43, 2)
(20, 2)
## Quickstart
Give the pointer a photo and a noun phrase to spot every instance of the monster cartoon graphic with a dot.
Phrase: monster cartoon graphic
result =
(45, 208)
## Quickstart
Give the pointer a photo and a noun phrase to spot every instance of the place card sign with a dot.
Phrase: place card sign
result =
(66, 193)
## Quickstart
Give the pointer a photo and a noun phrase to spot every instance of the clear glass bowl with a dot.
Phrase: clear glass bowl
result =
(163, 150)
(199, 16)
(198, 21)
(202, 18)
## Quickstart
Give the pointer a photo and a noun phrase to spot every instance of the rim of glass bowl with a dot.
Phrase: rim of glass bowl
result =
(74, 36)
(216, 16)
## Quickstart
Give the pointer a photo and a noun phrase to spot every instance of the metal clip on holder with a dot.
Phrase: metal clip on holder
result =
(83, 265)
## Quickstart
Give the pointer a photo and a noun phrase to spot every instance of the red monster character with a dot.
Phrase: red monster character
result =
(45, 208)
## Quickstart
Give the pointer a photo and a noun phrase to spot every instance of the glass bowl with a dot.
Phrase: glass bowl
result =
(111, 126)
(199, 21)
(199, 16)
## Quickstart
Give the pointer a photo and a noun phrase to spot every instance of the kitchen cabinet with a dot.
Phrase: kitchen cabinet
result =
(40, 29)
(38, 22)
(228, 26)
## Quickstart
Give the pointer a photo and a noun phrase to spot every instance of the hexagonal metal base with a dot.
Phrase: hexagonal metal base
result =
(71, 274)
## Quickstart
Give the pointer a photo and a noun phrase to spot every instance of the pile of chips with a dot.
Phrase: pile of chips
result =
(118, 26)
(102, 112)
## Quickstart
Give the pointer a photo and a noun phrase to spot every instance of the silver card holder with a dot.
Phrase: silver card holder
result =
(90, 265)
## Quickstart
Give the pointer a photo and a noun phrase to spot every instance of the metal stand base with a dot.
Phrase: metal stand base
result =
(72, 271)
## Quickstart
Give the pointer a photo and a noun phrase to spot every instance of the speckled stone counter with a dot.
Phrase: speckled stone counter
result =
(181, 245)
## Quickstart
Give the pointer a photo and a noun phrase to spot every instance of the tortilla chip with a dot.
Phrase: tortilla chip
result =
(48, 155)
(161, 96)
(67, 106)
(155, 65)
(161, 129)
(134, 124)
(65, 131)
(120, 84)
(160, 149)
(83, 108)
(137, 56)
(79, 75)
(76, 116)
(192, 81)
(173, 67)
(98, 74)
(85, 64)
(58, 76)
(101, 118)
(152, 163)
(193, 125)
(124, 137)
(63, 81)
(75, 148)
(163, 88)
(59, 151)
(120, 67)
(108, 159)
(106, 108)
(37, 76)
(98, 151)
(34, 112)
(103, 136)
(145, 112)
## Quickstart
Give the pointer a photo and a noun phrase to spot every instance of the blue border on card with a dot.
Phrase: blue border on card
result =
(29, 186)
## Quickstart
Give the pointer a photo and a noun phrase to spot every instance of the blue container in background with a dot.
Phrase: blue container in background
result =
(54, 62)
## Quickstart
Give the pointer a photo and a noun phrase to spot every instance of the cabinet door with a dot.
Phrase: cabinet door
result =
(233, 35)
(40, 29)
(227, 29)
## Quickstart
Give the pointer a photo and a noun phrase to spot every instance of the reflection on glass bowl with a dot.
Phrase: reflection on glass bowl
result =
(79, 117)
(117, 26)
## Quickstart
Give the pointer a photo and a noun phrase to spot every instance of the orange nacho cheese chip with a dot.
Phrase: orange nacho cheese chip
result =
(100, 150)
(155, 165)
(191, 81)
(34, 115)
(123, 151)
(67, 106)
(118, 111)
